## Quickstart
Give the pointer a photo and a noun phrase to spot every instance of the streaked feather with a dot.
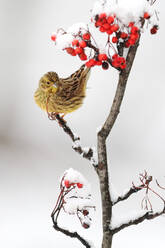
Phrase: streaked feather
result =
(69, 94)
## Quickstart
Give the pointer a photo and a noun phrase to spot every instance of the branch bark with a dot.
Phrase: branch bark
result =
(102, 169)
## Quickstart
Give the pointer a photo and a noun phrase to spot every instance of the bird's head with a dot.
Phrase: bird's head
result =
(49, 81)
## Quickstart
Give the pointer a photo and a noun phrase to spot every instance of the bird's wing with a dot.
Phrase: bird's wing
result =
(72, 85)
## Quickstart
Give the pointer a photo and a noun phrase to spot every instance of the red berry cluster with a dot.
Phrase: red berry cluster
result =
(69, 184)
(121, 37)
(78, 46)
(100, 59)
(118, 62)
(108, 24)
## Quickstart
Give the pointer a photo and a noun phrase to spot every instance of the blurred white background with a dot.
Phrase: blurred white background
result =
(34, 151)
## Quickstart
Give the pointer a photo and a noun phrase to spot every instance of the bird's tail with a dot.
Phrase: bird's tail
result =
(84, 76)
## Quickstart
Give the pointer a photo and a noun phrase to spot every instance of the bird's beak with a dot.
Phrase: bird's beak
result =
(54, 87)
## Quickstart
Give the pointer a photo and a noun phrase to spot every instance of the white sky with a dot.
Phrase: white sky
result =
(34, 151)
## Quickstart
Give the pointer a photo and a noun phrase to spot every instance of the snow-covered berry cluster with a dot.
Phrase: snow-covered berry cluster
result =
(121, 22)
(68, 184)
(74, 198)
(110, 26)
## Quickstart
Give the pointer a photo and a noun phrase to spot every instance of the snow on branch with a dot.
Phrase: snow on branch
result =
(74, 198)
(71, 234)
(135, 219)
(122, 21)
(147, 213)
(126, 194)
(87, 152)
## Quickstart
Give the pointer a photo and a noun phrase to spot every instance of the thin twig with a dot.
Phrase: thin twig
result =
(131, 191)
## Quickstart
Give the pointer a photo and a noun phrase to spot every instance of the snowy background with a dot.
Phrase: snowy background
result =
(34, 151)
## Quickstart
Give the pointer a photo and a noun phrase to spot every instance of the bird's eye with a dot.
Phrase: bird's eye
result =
(48, 83)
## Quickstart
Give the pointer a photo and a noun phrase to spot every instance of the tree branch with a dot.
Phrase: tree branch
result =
(115, 108)
(102, 169)
(71, 234)
(147, 216)
(125, 196)
(88, 154)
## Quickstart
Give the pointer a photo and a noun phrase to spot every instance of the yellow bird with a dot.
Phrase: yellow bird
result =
(62, 95)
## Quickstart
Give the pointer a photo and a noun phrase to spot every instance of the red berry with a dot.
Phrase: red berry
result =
(146, 15)
(106, 26)
(115, 64)
(110, 19)
(134, 30)
(67, 184)
(79, 185)
(133, 37)
(115, 56)
(131, 24)
(122, 60)
(109, 31)
(102, 16)
(85, 225)
(154, 30)
(131, 42)
(85, 212)
(90, 63)
(97, 24)
(114, 27)
(82, 44)
(114, 39)
(86, 36)
(123, 35)
(127, 44)
(102, 29)
(105, 65)
(123, 66)
(78, 50)
(119, 60)
(98, 63)
(75, 42)
(53, 37)
(83, 56)
(71, 51)
(102, 57)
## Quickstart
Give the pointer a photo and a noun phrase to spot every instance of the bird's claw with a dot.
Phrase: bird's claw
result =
(55, 116)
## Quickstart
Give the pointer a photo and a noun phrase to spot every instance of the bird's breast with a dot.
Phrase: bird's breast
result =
(40, 98)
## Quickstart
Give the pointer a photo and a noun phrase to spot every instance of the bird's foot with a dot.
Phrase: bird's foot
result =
(53, 116)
